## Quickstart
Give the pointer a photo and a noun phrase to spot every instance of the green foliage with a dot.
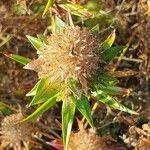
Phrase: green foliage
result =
(45, 92)
(80, 100)
(48, 5)
(57, 24)
(113, 90)
(76, 9)
(110, 53)
(111, 102)
(68, 111)
(83, 105)
(4, 109)
(44, 107)
(109, 41)
(36, 42)
(38, 7)
(20, 59)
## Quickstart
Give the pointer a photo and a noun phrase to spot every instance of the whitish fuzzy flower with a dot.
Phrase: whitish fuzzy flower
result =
(69, 52)
(13, 134)
(86, 140)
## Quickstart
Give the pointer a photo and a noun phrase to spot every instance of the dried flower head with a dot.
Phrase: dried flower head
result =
(13, 134)
(139, 138)
(69, 52)
(86, 140)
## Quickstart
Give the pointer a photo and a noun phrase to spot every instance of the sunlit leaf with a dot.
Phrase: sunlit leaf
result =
(33, 91)
(43, 108)
(109, 41)
(76, 9)
(60, 24)
(42, 38)
(113, 90)
(48, 5)
(110, 53)
(36, 42)
(20, 59)
(44, 91)
(111, 102)
(83, 106)
(41, 87)
(68, 111)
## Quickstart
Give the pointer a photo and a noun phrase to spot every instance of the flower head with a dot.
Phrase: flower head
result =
(72, 52)
(13, 134)
(86, 140)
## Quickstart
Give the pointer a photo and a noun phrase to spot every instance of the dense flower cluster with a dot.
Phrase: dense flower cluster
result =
(86, 140)
(13, 134)
(69, 52)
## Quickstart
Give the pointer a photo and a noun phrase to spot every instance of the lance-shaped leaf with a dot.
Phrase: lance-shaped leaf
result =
(83, 106)
(68, 111)
(44, 91)
(39, 88)
(48, 5)
(113, 90)
(80, 100)
(36, 42)
(33, 91)
(109, 41)
(76, 9)
(111, 102)
(43, 108)
(110, 53)
(95, 30)
(58, 24)
(106, 80)
(20, 59)
(42, 38)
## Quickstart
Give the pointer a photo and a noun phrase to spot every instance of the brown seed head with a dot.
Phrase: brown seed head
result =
(86, 140)
(71, 52)
(12, 133)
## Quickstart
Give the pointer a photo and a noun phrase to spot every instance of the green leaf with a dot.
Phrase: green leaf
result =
(36, 42)
(57, 24)
(33, 91)
(107, 80)
(20, 59)
(48, 5)
(95, 29)
(111, 102)
(76, 9)
(44, 91)
(42, 38)
(39, 88)
(74, 86)
(113, 90)
(81, 102)
(60, 24)
(68, 111)
(5, 109)
(43, 108)
(109, 41)
(83, 106)
(110, 53)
